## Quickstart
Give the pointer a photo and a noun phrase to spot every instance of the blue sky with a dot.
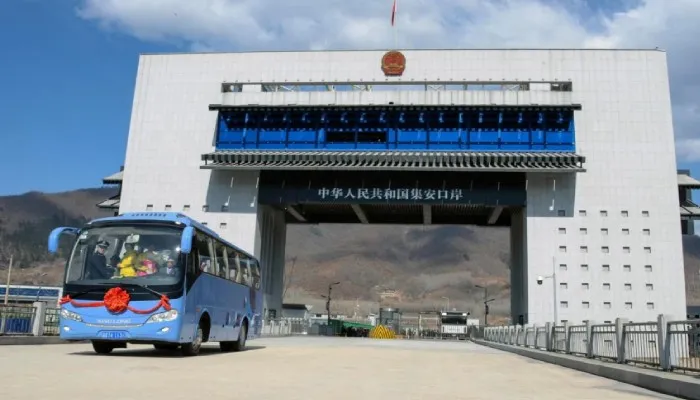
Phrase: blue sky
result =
(68, 76)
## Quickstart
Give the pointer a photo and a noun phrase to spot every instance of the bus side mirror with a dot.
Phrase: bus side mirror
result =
(55, 236)
(186, 240)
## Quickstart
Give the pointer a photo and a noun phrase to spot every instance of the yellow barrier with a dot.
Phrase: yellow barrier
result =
(381, 332)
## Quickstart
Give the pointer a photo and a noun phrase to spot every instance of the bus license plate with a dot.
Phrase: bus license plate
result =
(113, 334)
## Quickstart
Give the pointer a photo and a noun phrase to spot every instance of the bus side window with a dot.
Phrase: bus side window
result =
(245, 270)
(233, 264)
(221, 261)
(204, 259)
(256, 274)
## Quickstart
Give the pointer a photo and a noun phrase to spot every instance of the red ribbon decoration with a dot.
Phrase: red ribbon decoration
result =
(116, 301)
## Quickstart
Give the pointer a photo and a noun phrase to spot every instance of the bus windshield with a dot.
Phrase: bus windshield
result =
(136, 254)
(453, 320)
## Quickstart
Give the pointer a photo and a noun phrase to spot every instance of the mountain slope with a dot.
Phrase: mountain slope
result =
(410, 266)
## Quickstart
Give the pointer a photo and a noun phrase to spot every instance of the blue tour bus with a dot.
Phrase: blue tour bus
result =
(157, 278)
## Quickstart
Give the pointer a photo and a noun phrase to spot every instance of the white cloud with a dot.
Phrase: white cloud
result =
(343, 24)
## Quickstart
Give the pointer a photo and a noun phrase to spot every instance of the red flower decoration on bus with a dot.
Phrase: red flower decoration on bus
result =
(116, 300)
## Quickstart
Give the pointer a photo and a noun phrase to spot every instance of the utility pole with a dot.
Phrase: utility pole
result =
(328, 302)
(7, 285)
(486, 303)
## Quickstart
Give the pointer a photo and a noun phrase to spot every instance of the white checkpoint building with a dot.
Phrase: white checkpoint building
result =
(573, 149)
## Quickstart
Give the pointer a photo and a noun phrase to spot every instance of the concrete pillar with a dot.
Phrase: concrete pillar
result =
(663, 342)
(39, 318)
(589, 337)
(567, 345)
(620, 338)
(550, 335)
(271, 240)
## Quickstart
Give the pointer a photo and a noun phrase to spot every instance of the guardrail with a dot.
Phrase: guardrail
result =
(663, 344)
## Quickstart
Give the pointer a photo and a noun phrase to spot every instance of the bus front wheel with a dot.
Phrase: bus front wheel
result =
(192, 348)
(102, 347)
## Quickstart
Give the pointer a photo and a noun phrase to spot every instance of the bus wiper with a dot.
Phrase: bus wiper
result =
(86, 291)
(144, 287)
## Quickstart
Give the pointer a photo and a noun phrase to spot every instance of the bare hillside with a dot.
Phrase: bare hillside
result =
(413, 266)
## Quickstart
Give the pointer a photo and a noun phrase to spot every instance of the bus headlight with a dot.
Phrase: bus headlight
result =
(71, 315)
(163, 317)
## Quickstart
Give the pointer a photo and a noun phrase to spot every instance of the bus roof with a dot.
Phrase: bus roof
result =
(166, 217)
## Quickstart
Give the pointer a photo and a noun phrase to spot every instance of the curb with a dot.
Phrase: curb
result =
(669, 383)
(31, 340)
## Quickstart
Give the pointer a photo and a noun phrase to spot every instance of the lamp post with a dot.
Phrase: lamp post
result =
(553, 277)
(448, 303)
(486, 303)
(328, 302)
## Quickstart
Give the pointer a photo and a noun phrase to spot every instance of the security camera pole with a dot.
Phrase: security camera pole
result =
(553, 277)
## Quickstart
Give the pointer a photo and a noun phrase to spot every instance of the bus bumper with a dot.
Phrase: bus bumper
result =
(145, 333)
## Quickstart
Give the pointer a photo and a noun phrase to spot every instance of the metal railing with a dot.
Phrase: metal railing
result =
(604, 340)
(683, 344)
(16, 319)
(640, 343)
(674, 347)
(51, 320)
(577, 339)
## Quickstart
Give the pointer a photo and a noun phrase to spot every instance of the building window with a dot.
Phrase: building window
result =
(584, 267)
(645, 214)
(562, 249)
(647, 250)
(607, 305)
(562, 231)
(604, 231)
(606, 286)
(624, 213)
(563, 285)
(627, 268)
(607, 322)
(205, 223)
(606, 268)
(561, 213)
(564, 304)
(581, 213)
(628, 286)
(584, 249)
(149, 207)
(628, 306)
(583, 231)
(605, 249)
(562, 267)
(585, 304)
(222, 225)
(646, 232)
(650, 287)
(585, 286)
(168, 207)
(648, 268)
(626, 250)
(603, 213)
(650, 306)
(625, 231)
(186, 207)
(205, 208)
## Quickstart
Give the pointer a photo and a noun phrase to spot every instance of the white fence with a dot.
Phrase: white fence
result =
(668, 345)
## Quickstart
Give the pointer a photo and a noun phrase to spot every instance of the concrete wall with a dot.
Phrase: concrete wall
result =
(624, 130)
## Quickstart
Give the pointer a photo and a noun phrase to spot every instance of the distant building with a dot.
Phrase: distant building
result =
(23, 294)
(290, 310)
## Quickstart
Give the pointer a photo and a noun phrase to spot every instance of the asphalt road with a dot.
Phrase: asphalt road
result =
(293, 368)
